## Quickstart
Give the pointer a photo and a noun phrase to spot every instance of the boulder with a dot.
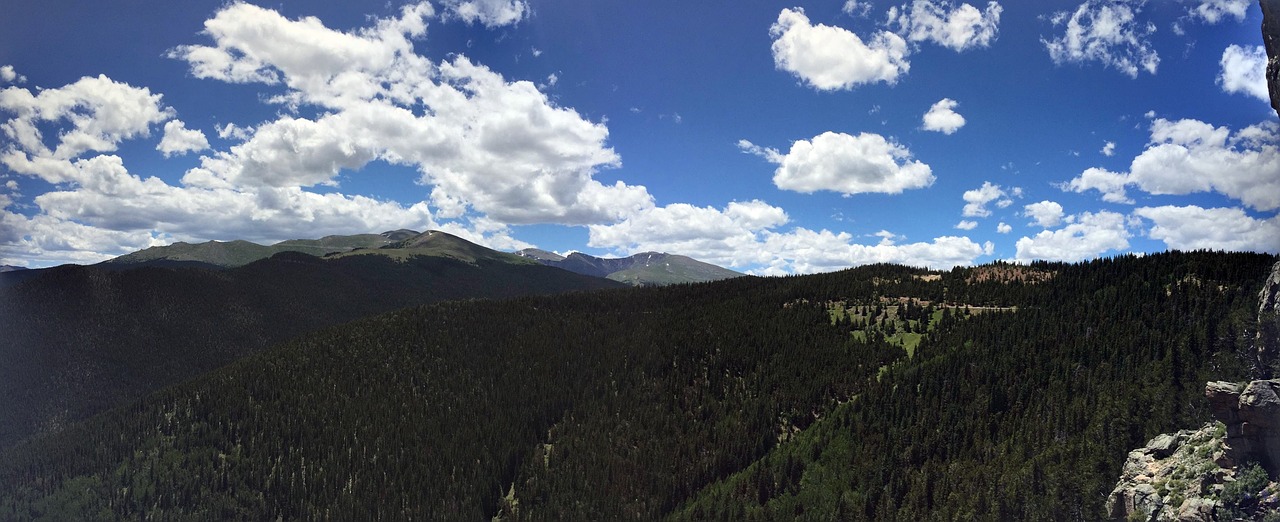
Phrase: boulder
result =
(1165, 444)
(1197, 509)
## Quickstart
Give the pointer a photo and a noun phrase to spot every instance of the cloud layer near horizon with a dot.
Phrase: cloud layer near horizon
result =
(491, 153)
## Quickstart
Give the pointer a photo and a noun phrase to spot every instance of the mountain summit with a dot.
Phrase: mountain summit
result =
(648, 268)
(228, 254)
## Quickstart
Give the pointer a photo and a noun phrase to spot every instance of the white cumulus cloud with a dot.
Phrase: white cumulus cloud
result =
(944, 23)
(976, 200)
(831, 58)
(178, 139)
(967, 225)
(743, 235)
(1089, 236)
(1189, 156)
(501, 148)
(1105, 31)
(1195, 228)
(1046, 214)
(943, 118)
(1004, 228)
(96, 115)
(9, 75)
(489, 152)
(846, 164)
(1244, 71)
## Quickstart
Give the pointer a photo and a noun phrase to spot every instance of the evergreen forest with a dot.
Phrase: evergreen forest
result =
(1000, 392)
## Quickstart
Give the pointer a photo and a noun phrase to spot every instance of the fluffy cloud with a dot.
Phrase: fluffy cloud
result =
(59, 241)
(1195, 228)
(1109, 149)
(1110, 184)
(956, 27)
(318, 64)
(9, 75)
(967, 225)
(1046, 214)
(108, 197)
(1244, 71)
(1105, 31)
(741, 235)
(491, 152)
(1004, 228)
(943, 118)
(1189, 156)
(501, 148)
(100, 112)
(727, 236)
(1212, 11)
(491, 13)
(976, 200)
(846, 164)
(831, 58)
(1089, 236)
(178, 139)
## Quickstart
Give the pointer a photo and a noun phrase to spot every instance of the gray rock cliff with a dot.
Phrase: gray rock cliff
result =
(1271, 40)
(1268, 341)
(1252, 421)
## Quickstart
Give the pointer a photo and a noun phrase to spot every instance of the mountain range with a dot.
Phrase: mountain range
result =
(228, 254)
(648, 268)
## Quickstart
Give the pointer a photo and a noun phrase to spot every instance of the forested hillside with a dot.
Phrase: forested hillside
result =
(743, 399)
(76, 340)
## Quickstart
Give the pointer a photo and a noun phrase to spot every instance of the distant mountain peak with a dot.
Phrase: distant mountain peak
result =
(541, 255)
(238, 252)
(436, 243)
(645, 268)
(399, 234)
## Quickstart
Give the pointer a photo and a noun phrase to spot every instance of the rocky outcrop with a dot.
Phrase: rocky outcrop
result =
(1268, 341)
(1271, 40)
(1192, 475)
(1173, 477)
(1251, 414)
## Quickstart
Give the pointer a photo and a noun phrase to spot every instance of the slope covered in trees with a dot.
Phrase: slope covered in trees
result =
(742, 399)
(77, 340)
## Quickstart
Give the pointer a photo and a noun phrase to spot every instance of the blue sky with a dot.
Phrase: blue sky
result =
(770, 138)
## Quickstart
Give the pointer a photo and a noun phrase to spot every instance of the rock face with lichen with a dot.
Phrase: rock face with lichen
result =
(1189, 475)
(1251, 415)
(1174, 477)
(1271, 40)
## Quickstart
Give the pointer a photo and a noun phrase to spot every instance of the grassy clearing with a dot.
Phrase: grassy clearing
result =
(903, 321)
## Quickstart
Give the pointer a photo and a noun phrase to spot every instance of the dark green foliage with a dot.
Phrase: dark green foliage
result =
(644, 397)
(736, 400)
(1026, 415)
(1245, 491)
(77, 340)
